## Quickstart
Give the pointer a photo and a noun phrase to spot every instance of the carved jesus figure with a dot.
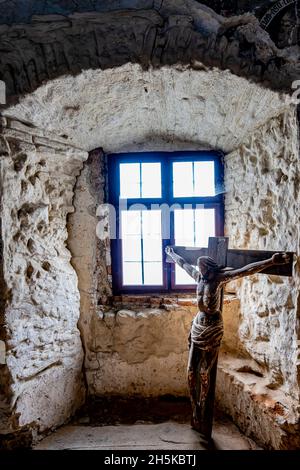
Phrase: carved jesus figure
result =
(207, 329)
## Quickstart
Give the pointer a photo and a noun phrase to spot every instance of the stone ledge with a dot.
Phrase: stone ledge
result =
(25, 131)
(160, 301)
(268, 416)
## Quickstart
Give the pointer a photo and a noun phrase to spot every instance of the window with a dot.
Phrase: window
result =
(162, 199)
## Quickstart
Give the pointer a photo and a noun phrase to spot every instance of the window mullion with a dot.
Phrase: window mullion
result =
(194, 225)
(193, 170)
(141, 189)
(168, 193)
(142, 250)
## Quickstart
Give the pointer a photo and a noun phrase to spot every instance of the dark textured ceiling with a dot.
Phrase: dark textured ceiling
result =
(15, 11)
(21, 11)
(237, 7)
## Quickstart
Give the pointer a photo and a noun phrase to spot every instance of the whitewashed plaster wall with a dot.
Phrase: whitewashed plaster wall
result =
(42, 381)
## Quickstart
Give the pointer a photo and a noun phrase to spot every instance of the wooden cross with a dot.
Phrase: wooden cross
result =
(202, 379)
(219, 252)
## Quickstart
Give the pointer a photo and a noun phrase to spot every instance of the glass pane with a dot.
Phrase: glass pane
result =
(192, 227)
(136, 263)
(151, 220)
(193, 179)
(130, 180)
(151, 180)
(204, 225)
(130, 223)
(131, 248)
(184, 236)
(183, 179)
(153, 274)
(204, 174)
(184, 227)
(132, 274)
(182, 277)
(152, 249)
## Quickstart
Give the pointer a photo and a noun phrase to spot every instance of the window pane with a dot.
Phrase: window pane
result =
(153, 274)
(130, 180)
(184, 227)
(183, 179)
(194, 179)
(141, 257)
(130, 223)
(184, 232)
(152, 249)
(152, 224)
(192, 227)
(204, 225)
(132, 248)
(151, 180)
(204, 176)
(182, 277)
(132, 274)
(140, 180)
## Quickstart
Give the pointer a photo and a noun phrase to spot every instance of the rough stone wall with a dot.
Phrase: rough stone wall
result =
(39, 315)
(90, 255)
(140, 346)
(157, 33)
(262, 212)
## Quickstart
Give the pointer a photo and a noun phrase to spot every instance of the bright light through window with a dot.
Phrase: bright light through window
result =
(192, 227)
(194, 179)
(141, 248)
(160, 199)
(140, 180)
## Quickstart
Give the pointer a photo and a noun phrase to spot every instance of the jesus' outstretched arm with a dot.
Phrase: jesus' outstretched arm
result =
(253, 268)
(182, 263)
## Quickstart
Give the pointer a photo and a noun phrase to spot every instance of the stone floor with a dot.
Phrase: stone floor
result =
(162, 424)
(165, 436)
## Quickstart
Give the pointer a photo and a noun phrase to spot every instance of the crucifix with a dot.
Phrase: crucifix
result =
(217, 265)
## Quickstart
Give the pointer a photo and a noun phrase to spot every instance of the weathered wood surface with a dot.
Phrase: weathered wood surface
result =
(238, 258)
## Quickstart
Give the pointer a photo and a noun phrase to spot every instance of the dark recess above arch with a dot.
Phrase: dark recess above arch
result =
(151, 33)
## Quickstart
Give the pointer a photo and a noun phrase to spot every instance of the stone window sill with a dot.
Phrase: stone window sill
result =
(159, 301)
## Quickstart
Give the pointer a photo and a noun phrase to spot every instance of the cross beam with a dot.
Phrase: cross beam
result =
(217, 249)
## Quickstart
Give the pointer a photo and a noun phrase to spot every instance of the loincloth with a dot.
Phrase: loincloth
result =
(206, 332)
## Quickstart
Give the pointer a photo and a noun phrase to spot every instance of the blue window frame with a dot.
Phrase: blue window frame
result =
(142, 188)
